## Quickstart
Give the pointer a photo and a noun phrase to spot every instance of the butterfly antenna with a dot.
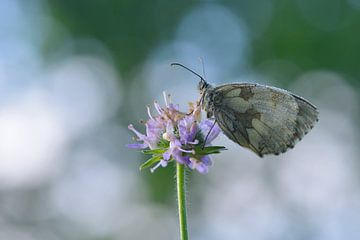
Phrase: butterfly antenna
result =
(203, 66)
(192, 71)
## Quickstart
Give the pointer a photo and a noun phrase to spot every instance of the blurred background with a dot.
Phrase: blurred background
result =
(74, 74)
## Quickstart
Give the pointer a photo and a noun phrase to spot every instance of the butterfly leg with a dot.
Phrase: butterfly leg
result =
(207, 135)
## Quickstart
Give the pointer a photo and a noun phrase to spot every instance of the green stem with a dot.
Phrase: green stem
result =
(180, 184)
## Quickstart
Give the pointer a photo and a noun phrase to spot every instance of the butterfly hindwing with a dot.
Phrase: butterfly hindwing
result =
(265, 119)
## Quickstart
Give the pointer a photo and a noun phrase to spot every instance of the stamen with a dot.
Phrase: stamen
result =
(155, 167)
(161, 163)
(194, 142)
(186, 151)
(158, 108)
(138, 134)
(148, 111)
(165, 98)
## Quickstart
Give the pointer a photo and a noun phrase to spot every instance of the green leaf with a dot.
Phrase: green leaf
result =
(215, 148)
(163, 143)
(154, 151)
(150, 162)
(208, 150)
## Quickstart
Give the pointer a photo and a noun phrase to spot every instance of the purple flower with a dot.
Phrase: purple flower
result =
(176, 136)
(188, 129)
(205, 127)
(201, 165)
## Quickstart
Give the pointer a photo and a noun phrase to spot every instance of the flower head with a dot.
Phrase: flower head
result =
(173, 135)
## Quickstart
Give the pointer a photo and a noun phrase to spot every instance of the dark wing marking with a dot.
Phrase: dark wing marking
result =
(237, 135)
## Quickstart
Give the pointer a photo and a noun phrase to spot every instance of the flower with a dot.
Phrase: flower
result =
(173, 135)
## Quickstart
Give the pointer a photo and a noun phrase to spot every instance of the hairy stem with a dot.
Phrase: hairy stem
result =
(181, 196)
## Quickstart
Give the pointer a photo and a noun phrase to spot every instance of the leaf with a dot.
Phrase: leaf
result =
(154, 151)
(163, 143)
(208, 150)
(150, 162)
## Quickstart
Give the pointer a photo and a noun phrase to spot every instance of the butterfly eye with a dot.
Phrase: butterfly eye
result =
(202, 85)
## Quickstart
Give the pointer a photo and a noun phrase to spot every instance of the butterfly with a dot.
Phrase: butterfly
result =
(264, 119)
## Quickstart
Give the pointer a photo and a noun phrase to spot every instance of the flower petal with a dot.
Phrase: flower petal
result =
(187, 129)
(167, 155)
(202, 168)
(137, 145)
(198, 165)
(208, 125)
(137, 133)
(206, 160)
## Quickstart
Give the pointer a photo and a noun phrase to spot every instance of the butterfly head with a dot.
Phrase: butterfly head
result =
(202, 86)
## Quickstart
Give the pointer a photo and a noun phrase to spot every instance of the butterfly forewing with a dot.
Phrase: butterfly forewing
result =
(265, 119)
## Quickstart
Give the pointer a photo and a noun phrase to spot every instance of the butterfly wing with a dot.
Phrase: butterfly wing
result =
(265, 119)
